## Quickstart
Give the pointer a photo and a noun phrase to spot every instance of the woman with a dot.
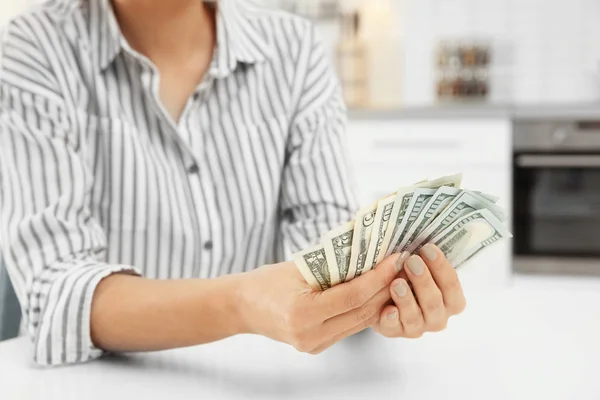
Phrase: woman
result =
(153, 154)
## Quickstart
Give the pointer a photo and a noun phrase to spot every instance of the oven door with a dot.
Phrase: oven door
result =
(556, 220)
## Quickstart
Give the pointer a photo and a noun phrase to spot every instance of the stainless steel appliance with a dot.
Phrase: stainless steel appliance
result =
(556, 197)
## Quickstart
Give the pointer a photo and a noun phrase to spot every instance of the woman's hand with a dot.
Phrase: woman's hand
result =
(277, 302)
(437, 296)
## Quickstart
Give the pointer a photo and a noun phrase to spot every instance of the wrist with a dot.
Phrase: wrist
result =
(236, 306)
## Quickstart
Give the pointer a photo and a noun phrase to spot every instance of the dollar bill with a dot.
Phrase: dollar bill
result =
(438, 202)
(313, 266)
(469, 235)
(450, 180)
(489, 204)
(338, 245)
(466, 202)
(380, 226)
(490, 197)
(401, 203)
(360, 240)
(461, 222)
(403, 199)
(418, 201)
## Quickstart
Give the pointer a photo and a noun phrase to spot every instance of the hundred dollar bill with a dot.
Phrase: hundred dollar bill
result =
(489, 197)
(489, 204)
(313, 266)
(462, 204)
(449, 180)
(469, 235)
(360, 240)
(418, 201)
(403, 199)
(442, 197)
(401, 203)
(338, 245)
(380, 226)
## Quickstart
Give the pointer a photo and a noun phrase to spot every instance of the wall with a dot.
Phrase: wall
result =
(547, 50)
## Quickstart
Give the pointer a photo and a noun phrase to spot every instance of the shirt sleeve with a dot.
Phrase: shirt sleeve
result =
(52, 244)
(318, 188)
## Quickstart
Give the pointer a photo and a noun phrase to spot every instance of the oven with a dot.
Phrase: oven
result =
(556, 197)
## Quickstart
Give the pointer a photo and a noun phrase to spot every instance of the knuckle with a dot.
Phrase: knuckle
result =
(302, 348)
(438, 326)
(302, 345)
(454, 285)
(427, 285)
(392, 332)
(434, 309)
(414, 335)
(316, 352)
(300, 340)
(413, 322)
(458, 306)
(433, 305)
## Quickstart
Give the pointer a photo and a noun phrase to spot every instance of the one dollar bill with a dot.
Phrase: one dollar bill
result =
(338, 246)
(360, 241)
(313, 266)
(380, 227)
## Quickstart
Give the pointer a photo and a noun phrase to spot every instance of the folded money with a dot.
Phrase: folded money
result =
(461, 222)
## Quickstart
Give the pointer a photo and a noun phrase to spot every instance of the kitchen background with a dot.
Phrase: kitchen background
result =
(541, 51)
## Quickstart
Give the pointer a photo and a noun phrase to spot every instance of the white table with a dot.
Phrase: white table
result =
(536, 340)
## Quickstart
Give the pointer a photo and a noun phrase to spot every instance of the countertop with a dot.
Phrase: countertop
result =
(536, 339)
(586, 111)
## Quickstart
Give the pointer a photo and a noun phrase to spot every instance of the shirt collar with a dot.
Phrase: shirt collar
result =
(239, 37)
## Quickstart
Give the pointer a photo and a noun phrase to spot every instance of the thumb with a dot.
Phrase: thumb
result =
(388, 269)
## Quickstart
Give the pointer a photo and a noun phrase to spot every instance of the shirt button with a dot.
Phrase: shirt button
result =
(193, 169)
(208, 245)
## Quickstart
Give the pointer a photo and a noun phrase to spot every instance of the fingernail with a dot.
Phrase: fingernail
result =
(400, 289)
(401, 260)
(392, 315)
(416, 265)
(430, 252)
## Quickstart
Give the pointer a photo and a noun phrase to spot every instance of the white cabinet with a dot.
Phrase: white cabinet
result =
(389, 154)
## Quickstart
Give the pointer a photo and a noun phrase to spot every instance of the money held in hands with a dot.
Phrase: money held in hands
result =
(462, 223)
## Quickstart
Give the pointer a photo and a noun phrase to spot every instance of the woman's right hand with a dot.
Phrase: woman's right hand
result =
(278, 303)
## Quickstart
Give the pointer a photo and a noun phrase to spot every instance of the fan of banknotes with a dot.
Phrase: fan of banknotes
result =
(460, 222)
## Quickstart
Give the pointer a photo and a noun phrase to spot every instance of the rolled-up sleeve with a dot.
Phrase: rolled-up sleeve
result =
(52, 244)
(318, 189)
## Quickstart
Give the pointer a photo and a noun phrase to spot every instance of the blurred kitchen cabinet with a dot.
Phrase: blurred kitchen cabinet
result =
(391, 153)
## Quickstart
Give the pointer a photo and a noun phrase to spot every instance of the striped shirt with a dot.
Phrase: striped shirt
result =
(97, 178)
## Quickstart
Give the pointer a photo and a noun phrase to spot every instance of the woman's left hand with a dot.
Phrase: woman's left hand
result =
(437, 296)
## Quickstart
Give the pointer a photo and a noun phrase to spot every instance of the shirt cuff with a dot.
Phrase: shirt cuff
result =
(64, 336)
